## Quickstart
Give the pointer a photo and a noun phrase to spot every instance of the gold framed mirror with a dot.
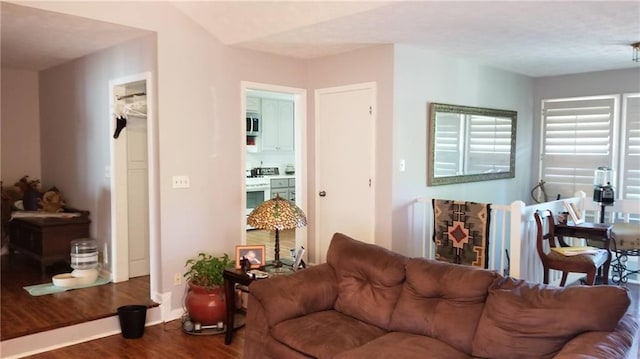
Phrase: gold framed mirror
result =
(469, 144)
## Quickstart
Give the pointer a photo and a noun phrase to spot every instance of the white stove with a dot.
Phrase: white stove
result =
(257, 183)
(258, 191)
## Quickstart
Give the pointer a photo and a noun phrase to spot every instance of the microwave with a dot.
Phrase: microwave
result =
(253, 124)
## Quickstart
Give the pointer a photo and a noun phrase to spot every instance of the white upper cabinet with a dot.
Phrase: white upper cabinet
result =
(277, 125)
(253, 104)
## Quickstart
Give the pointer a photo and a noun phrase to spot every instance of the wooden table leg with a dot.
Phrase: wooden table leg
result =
(230, 297)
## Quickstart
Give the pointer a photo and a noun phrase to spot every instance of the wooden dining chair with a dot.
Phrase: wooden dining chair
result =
(580, 263)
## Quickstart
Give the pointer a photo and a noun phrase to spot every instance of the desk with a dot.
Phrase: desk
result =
(590, 231)
(47, 240)
(626, 244)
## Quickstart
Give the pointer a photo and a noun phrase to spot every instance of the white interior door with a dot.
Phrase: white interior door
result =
(137, 196)
(345, 152)
(130, 185)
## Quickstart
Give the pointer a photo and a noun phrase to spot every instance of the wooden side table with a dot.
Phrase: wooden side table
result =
(590, 231)
(232, 277)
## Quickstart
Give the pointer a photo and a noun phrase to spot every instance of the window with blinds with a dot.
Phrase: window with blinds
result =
(581, 134)
(629, 172)
(578, 136)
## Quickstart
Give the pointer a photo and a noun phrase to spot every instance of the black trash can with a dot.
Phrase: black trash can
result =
(132, 319)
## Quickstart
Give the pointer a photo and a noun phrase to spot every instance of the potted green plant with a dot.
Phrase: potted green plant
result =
(205, 300)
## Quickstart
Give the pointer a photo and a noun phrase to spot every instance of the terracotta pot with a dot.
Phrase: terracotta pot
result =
(206, 306)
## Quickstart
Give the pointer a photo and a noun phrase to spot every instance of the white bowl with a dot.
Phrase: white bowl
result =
(64, 280)
(85, 276)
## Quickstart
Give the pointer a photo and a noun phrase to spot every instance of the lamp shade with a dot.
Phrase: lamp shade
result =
(277, 214)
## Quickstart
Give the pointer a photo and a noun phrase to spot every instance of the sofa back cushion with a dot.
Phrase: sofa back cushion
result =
(526, 320)
(369, 279)
(442, 301)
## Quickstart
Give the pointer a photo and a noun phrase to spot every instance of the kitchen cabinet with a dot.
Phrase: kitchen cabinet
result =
(284, 187)
(277, 125)
(253, 104)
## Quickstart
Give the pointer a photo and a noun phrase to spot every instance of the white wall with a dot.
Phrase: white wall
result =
(20, 124)
(421, 77)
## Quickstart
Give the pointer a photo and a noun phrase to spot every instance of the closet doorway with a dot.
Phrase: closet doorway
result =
(272, 102)
(132, 184)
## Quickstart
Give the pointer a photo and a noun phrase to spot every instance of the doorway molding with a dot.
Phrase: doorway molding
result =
(300, 148)
(119, 265)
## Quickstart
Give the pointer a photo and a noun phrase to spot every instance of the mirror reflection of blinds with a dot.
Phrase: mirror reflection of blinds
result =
(448, 142)
(489, 145)
(484, 141)
(629, 171)
(578, 136)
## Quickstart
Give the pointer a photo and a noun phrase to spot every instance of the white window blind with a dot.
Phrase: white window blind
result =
(489, 144)
(448, 147)
(630, 153)
(578, 136)
(472, 144)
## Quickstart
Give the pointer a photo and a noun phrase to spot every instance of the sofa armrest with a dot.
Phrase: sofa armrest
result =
(613, 345)
(289, 296)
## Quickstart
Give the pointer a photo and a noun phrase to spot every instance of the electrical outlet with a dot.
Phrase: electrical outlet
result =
(177, 279)
(180, 181)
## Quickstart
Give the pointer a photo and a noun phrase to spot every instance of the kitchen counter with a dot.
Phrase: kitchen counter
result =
(281, 176)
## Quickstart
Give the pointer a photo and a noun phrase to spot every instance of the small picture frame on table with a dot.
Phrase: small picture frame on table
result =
(574, 213)
(255, 255)
(298, 259)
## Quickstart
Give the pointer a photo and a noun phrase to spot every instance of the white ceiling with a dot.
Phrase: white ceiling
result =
(34, 39)
(535, 38)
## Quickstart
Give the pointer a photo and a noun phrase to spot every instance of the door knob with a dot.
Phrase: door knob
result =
(322, 193)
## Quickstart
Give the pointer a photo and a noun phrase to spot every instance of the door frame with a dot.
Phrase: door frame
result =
(119, 233)
(300, 149)
(372, 165)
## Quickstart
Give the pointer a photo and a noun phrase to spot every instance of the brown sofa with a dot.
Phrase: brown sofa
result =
(369, 302)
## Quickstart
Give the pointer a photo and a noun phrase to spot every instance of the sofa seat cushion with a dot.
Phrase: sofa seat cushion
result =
(324, 334)
(526, 320)
(404, 345)
(443, 301)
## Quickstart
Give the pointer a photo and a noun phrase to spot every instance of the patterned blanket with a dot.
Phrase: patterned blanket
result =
(461, 232)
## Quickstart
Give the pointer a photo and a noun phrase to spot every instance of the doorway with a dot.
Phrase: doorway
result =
(266, 150)
(345, 145)
(133, 183)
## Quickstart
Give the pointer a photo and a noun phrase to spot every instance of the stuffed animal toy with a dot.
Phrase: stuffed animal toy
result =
(51, 202)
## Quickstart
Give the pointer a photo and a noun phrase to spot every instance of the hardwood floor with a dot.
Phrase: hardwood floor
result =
(159, 341)
(22, 314)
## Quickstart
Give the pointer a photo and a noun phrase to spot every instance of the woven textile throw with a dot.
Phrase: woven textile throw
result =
(461, 232)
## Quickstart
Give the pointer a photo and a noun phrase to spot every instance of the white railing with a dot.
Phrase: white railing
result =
(513, 231)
